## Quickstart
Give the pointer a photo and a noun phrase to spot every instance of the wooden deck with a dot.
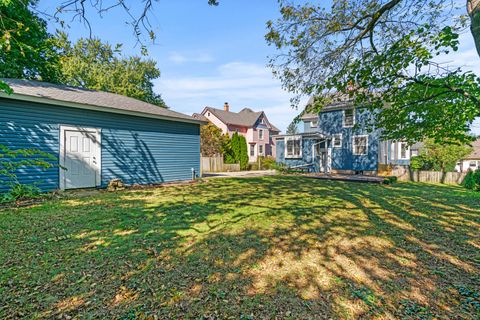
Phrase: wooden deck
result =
(348, 177)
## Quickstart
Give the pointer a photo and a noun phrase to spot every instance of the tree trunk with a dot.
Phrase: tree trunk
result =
(473, 10)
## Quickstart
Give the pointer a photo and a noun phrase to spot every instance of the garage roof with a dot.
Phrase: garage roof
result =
(44, 92)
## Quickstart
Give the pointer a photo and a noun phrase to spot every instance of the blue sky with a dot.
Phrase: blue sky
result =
(210, 55)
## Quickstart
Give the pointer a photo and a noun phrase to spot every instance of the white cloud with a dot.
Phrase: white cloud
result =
(239, 83)
(466, 57)
(179, 58)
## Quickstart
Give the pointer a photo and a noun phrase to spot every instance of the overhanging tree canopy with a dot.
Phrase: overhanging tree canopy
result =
(382, 54)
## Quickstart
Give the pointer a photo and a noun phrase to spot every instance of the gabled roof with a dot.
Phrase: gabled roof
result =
(245, 118)
(476, 150)
(339, 102)
(200, 117)
(48, 93)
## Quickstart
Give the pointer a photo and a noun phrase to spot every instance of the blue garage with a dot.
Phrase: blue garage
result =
(97, 137)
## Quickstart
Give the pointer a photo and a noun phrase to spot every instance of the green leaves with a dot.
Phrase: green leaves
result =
(381, 55)
(93, 64)
(25, 49)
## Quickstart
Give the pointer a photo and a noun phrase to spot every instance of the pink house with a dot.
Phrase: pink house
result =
(254, 126)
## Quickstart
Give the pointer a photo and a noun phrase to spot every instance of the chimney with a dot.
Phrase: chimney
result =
(226, 107)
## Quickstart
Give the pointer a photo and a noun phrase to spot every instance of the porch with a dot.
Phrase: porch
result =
(348, 177)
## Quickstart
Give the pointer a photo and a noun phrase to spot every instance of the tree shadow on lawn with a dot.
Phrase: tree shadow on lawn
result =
(276, 247)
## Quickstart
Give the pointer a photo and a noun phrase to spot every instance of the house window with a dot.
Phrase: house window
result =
(473, 164)
(348, 117)
(252, 150)
(260, 134)
(293, 147)
(260, 149)
(403, 151)
(208, 113)
(337, 140)
(313, 123)
(360, 144)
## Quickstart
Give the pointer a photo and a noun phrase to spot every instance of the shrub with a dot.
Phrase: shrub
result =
(390, 180)
(11, 161)
(267, 163)
(243, 156)
(20, 191)
(236, 151)
(472, 180)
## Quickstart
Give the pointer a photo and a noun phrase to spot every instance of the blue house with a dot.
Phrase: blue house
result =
(97, 137)
(339, 140)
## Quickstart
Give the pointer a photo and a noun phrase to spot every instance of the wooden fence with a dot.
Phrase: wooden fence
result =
(404, 174)
(216, 164)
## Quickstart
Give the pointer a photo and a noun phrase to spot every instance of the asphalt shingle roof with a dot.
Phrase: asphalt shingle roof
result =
(82, 96)
(476, 150)
(245, 118)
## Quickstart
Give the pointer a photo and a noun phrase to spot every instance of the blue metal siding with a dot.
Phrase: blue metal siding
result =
(134, 149)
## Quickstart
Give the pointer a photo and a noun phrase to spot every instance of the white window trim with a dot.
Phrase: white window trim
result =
(250, 150)
(98, 134)
(341, 140)
(407, 155)
(354, 145)
(285, 147)
(263, 134)
(263, 149)
(354, 119)
(314, 124)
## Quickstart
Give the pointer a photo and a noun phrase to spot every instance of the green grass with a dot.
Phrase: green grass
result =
(273, 247)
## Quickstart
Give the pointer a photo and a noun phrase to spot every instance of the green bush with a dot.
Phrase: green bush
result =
(390, 180)
(20, 191)
(267, 163)
(236, 151)
(243, 156)
(472, 180)
(12, 160)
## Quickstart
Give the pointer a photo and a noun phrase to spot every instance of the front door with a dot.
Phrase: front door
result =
(80, 158)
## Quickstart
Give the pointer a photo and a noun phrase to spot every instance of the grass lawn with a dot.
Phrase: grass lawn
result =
(253, 248)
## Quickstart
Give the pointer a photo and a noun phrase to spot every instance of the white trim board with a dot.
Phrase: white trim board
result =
(354, 145)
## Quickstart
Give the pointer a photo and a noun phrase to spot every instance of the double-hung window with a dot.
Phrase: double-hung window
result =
(337, 140)
(293, 147)
(260, 134)
(252, 150)
(348, 118)
(360, 145)
(260, 149)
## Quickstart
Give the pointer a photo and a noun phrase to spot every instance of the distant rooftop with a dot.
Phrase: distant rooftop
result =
(245, 118)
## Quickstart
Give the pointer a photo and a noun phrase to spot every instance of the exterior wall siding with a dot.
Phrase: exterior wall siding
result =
(330, 123)
(134, 149)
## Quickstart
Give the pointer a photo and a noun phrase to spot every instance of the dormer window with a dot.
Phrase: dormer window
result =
(314, 124)
(348, 118)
